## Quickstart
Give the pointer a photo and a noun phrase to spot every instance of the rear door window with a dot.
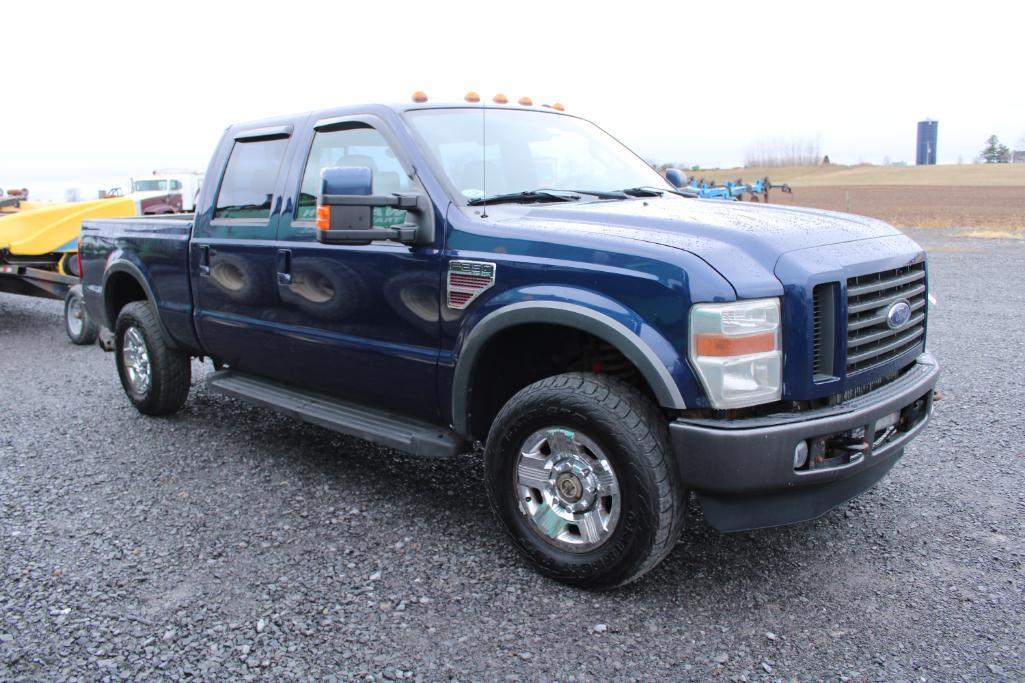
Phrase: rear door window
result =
(249, 179)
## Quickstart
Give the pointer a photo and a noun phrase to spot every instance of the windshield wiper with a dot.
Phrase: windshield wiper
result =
(600, 194)
(528, 196)
(650, 191)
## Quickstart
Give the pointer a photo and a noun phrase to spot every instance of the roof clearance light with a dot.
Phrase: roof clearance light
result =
(472, 97)
(419, 96)
(526, 101)
(558, 106)
(500, 99)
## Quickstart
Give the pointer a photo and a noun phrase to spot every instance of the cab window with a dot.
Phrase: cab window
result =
(353, 146)
(249, 178)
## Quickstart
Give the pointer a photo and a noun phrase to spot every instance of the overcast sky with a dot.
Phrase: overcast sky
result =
(96, 91)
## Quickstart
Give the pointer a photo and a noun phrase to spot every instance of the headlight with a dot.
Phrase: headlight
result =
(737, 352)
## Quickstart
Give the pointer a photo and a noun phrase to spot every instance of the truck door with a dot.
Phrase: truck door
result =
(232, 256)
(362, 320)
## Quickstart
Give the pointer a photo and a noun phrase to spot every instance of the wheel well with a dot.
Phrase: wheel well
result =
(121, 289)
(523, 354)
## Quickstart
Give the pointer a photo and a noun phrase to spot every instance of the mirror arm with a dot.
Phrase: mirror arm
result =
(403, 233)
(409, 202)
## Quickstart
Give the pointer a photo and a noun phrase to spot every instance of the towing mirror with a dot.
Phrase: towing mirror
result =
(345, 208)
(677, 177)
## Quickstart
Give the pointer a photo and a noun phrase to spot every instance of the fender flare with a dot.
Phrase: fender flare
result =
(136, 274)
(627, 342)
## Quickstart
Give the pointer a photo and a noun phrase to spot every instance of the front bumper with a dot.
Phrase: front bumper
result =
(743, 470)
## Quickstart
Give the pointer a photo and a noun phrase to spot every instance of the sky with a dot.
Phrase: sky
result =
(94, 92)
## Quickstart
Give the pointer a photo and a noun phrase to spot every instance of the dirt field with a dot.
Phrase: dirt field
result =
(909, 206)
(987, 197)
(973, 175)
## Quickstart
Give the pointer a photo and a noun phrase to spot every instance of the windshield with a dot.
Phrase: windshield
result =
(525, 151)
(150, 185)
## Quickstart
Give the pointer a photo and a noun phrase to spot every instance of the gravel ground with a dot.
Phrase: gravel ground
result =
(230, 542)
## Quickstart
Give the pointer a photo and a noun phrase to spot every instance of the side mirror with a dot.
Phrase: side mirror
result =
(345, 208)
(677, 177)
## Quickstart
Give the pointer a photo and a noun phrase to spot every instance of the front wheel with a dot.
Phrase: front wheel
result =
(78, 323)
(578, 471)
(155, 376)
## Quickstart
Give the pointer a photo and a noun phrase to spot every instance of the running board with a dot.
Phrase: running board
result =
(388, 429)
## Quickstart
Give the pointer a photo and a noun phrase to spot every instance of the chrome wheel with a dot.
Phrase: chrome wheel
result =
(136, 361)
(567, 489)
(75, 316)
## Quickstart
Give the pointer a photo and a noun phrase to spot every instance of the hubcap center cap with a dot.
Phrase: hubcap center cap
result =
(570, 487)
(573, 484)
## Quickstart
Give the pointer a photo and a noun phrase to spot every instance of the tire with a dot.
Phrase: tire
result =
(597, 424)
(78, 324)
(157, 382)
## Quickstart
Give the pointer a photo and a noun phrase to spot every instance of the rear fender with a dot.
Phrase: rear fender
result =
(117, 266)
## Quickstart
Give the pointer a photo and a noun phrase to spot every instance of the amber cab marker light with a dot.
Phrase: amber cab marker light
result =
(419, 97)
(323, 218)
(558, 106)
(472, 97)
(500, 99)
(718, 345)
(526, 101)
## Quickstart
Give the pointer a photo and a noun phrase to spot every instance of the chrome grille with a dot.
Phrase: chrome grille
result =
(870, 339)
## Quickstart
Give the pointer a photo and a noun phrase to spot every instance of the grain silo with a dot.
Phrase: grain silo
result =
(925, 153)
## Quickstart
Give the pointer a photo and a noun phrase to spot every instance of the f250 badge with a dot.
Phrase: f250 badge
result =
(467, 280)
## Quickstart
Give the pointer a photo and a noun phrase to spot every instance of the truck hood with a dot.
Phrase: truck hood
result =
(742, 241)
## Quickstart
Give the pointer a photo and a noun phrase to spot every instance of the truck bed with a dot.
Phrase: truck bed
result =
(156, 249)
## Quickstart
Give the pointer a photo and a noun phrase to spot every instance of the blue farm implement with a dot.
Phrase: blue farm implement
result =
(736, 190)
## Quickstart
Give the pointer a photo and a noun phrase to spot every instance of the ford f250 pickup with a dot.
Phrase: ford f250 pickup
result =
(438, 277)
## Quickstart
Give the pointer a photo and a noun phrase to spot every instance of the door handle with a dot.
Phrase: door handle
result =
(284, 266)
(204, 259)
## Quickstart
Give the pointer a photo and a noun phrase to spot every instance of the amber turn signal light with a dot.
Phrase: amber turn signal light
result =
(323, 218)
(719, 345)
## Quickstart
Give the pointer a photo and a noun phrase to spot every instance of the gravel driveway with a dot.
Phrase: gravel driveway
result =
(229, 542)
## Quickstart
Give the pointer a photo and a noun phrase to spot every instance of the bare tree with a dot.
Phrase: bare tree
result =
(780, 152)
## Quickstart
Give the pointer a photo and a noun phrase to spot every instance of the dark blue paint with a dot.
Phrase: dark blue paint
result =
(357, 180)
(377, 328)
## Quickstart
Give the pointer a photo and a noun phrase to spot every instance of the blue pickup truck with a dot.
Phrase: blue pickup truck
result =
(443, 277)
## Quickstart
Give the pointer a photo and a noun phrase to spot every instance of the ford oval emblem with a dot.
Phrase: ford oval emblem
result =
(898, 314)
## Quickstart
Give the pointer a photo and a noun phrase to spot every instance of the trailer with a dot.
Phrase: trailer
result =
(39, 254)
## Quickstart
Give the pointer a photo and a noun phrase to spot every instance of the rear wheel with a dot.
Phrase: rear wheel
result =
(578, 472)
(155, 376)
(77, 322)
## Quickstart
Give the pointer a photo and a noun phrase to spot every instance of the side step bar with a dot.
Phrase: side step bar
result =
(394, 431)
